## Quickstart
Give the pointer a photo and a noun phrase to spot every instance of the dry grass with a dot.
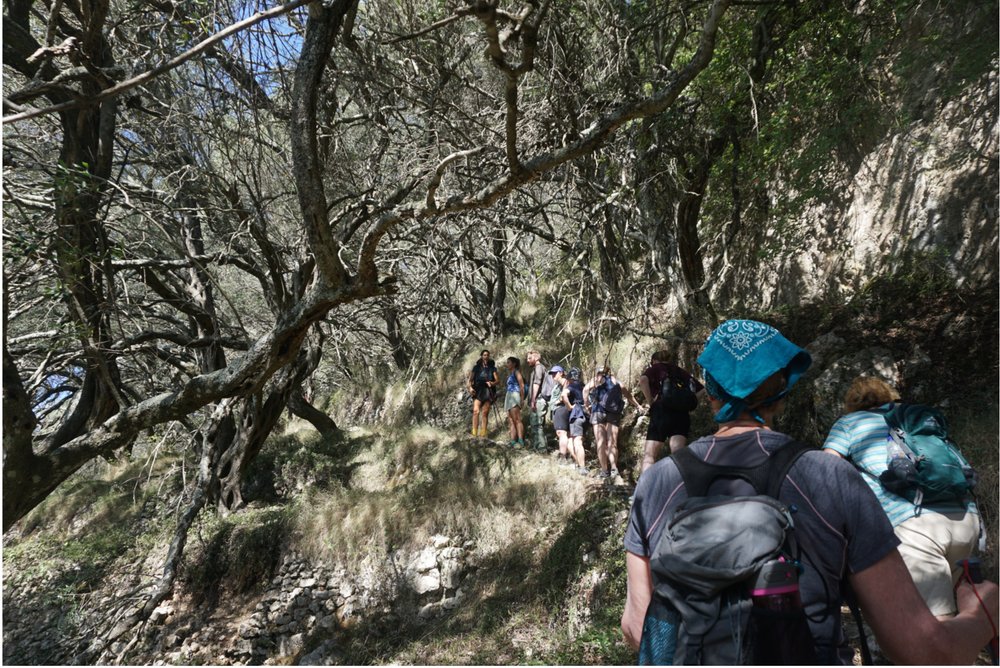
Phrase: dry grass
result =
(415, 484)
(105, 493)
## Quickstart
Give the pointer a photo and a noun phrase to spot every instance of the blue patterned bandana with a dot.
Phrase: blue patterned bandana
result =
(740, 355)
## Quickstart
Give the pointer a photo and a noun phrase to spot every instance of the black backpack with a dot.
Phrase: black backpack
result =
(607, 400)
(677, 396)
(708, 559)
(483, 374)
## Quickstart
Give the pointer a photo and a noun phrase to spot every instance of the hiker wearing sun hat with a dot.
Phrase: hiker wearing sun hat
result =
(838, 523)
(739, 356)
(559, 415)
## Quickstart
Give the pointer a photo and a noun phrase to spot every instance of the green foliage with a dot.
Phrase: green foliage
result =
(918, 276)
(958, 44)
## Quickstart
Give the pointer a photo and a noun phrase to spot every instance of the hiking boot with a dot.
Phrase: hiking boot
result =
(603, 475)
(482, 433)
(582, 470)
(512, 444)
(474, 433)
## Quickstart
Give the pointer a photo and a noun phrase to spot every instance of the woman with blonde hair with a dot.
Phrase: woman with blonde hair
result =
(933, 536)
(866, 393)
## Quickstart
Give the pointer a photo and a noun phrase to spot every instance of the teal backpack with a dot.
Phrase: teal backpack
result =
(939, 472)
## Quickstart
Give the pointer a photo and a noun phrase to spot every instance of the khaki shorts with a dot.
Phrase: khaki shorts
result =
(931, 544)
(512, 400)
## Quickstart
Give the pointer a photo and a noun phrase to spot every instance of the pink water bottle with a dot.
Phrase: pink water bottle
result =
(777, 587)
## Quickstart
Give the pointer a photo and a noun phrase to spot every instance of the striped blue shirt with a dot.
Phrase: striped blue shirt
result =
(861, 437)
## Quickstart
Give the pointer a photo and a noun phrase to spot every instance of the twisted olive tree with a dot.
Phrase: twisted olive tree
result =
(143, 201)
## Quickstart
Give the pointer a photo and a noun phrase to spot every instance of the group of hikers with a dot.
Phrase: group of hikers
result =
(743, 546)
(565, 400)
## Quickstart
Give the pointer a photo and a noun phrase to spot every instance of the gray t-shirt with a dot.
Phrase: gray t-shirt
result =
(839, 524)
(537, 379)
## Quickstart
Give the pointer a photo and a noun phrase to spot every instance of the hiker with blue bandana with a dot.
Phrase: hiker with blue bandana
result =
(815, 523)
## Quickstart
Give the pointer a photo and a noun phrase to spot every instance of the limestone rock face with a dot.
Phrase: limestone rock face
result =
(425, 560)
(925, 194)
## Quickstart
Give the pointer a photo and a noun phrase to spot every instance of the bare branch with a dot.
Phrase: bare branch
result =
(180, 59)
(461, 13)
(439, 172)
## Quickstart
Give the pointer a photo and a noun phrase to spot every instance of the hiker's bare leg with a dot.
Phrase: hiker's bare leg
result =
(476, 408)
(510, 423)
(612, 446)
(579, 455)
(519, 424)
(563, 443)
(677, 442)
(484, 416)
(651, 452)
(601, 444)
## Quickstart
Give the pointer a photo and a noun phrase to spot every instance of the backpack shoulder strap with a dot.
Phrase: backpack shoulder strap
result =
(765, 478)
(780, 463)
(696, 474)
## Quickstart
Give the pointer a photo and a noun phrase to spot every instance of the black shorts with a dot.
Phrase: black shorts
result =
(598, 417)
(560, 418)
(483, 393)
(664, 423)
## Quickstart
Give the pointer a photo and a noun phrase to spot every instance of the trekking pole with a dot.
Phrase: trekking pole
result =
(973, 570)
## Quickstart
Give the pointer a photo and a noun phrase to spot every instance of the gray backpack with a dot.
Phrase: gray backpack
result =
(706, 564)
(548, 383)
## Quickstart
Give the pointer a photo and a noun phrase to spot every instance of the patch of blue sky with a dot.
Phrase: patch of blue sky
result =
(55, 389)
(268, 49)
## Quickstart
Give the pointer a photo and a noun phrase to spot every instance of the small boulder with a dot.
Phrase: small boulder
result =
(430, 611)
(427, 582)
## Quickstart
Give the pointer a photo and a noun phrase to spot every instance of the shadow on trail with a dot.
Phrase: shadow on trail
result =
(521, 587)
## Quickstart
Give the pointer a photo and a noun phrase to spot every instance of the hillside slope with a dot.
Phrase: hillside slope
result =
(415, 544)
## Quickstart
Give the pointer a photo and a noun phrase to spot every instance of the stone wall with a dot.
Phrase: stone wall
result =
(297, 619)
